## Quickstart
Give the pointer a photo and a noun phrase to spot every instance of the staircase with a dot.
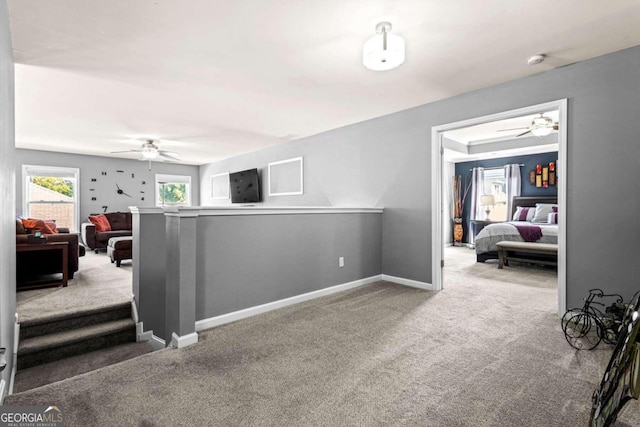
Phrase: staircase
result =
(48, 340)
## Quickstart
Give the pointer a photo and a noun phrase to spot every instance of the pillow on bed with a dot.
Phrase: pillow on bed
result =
(552, 218)
(524, 213)
(543, 210)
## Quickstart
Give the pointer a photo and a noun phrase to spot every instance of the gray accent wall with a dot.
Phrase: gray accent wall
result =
(386, 162)
(104, 188)
(7, 193)
(191, 265)
(256, 259)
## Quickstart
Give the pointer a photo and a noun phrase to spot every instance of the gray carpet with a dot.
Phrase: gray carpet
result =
(97, 283)
(483, 352)
(59, 370)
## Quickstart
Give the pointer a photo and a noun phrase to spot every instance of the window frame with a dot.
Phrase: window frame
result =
(161, 178)
(55, 171)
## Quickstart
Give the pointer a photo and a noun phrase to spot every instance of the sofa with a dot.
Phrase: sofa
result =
(34, 264)
(95, 239)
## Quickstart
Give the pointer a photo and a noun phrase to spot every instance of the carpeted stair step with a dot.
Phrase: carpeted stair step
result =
(37, 376)
(77, 319)
(48, 348)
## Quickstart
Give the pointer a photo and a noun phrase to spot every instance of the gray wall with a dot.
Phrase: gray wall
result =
(386, 162)
(248, 260)
(149, 271)
(105, 185)
(7, 194)
(240, 261)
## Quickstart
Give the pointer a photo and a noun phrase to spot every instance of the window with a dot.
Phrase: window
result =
(173, 190)
(51, 193)
(495, 184)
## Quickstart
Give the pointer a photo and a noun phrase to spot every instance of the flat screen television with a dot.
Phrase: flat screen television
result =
(245, 186)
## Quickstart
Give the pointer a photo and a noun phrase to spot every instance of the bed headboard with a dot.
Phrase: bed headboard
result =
(531, 201)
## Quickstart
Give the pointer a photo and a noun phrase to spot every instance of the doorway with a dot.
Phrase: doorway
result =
(439, 196)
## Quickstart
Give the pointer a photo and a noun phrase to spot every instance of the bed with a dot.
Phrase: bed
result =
(539, 232)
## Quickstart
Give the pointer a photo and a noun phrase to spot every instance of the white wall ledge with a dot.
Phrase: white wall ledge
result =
(193, 211)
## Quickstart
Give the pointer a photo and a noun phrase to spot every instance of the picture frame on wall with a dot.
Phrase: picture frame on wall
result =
(220, 186)
(286, 177)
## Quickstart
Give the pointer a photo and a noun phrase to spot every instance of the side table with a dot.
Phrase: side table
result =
(50, 246)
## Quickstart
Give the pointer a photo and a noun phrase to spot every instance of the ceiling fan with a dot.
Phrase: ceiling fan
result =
(540, 126)
(150, 151)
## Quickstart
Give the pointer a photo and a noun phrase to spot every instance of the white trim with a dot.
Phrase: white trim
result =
(212, 322)
(155, 342)
(27, 171)
(16, 341)
(178, 341)
(259, 210)
(212, 186)
(2, 389)
(134, 311)
(437, 246)
(145, 210)
(562, 207)
(289, 193)
(161, 179)
(408, 282)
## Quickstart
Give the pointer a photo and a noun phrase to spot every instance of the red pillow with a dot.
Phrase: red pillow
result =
(45, 227)
(101, 222)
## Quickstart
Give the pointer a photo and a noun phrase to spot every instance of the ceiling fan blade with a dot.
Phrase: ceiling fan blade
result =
(523, 133)
(126, 151)
(169, 155)
(505, 130)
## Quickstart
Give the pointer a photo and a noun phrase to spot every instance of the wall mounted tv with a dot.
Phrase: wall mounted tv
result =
(245, 186)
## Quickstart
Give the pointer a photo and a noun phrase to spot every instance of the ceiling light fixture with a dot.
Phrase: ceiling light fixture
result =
(536, 59)
(383, 51)
(541, 126)
(148, 153)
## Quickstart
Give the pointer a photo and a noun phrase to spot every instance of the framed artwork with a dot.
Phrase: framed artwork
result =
(220, 186)
(286, 177)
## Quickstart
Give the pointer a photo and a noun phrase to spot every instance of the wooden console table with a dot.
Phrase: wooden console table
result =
(50, 246)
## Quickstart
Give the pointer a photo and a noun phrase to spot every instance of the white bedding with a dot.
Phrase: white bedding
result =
(494, 233)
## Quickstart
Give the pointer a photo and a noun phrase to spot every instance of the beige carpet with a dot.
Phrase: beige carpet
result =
(480, 353)
(97, 283)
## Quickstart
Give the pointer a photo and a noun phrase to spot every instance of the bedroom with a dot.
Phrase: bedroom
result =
(499, 187)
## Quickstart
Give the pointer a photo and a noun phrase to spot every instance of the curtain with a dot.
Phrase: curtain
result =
(512, 179)
(477, 180)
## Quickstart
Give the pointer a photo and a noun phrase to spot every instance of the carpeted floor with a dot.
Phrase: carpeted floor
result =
(97, 283)
(483, 352)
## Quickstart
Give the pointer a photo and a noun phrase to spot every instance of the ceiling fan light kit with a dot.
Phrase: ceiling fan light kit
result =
(541, 126)
(150, 151)
(384, 51)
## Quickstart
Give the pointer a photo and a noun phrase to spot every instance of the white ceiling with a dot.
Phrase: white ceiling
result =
(214, 78)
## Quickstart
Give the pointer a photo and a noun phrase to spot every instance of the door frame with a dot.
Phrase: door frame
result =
(437, 151)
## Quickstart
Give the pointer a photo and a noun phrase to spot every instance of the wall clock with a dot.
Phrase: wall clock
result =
(120, 191)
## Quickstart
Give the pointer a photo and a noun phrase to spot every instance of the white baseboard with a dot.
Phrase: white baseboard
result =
(212, 322)
(16, 341)
(184, 340)
(134, 311)
(142, 335)
(408, 282)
